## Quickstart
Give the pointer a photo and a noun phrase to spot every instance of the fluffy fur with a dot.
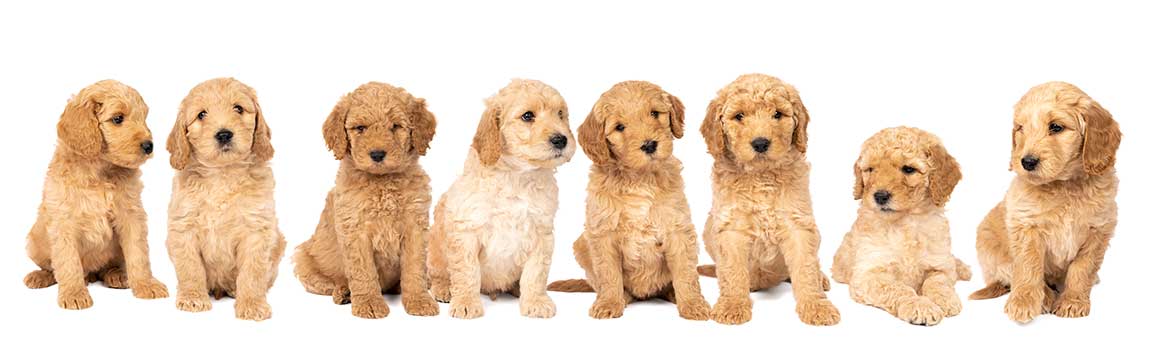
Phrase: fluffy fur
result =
(898, 255)
(1046, 240)
(761, 230)
(371, 233)
(493, 227)
(91, 224)
(638, 240)
(222, 233)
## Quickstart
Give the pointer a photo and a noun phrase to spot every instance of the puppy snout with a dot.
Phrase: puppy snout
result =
(558, 141)
(649, 147)
(882, 197)
(224, 136)
(378, 155)
(146, 146)
(1029, 162)
(761, 144)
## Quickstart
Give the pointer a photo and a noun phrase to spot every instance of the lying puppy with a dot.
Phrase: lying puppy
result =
(638, 241)
(222, 234)
(91, 224)
(371, 233)
(761, 230)
(493, 227)
(1046, 240)
(898, 255)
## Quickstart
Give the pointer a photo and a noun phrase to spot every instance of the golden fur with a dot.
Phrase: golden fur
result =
(898, 255)
(1046, 240)
(761, 230)
(91, 224)
(222, 233)
(371, 233)
(493, 227)
(638, 240)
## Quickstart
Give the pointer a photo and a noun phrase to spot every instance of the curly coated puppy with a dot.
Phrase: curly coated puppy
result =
(493, 227)
(1045, 241)
(638, 241)
(371, 233)
(91, 224)
(222, 233)
(898, 255)
(761, 231)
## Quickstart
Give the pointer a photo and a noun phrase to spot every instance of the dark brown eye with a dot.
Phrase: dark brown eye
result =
(1054, 128)
(119, 119)
(395, 127)
(655, 114)
(528, 116)
(360, 128)
(778, 115)
(238, 109)
(202, 115)
(908, 169)
(620, 127)
(869, 170)
(739, 116)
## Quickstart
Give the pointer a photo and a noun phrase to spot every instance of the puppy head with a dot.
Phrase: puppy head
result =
(904, 169)
(381, 128)
(525, 122)
(756, 120)
(106, 121)
(1060, 133)
(220, 123)
(632, 124)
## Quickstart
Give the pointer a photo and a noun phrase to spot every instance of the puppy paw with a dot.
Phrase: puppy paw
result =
(253, 310)
(371, 307)
(39, 279)
(537, 307)
(150, 289)
(920, 311)
(74, 298)
(949, 302)
(825, 283)
(441, 293)
(341, 295)
(1072, 306)
(732, 310)
(420, 304)
(467, 309)
(819, 312)
(115, 278)
(193, 303)
(696, 309)
(1023, 306)
(604, 308)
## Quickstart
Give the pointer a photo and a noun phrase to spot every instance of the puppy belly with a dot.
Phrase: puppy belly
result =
(645, 271)
(502, 260)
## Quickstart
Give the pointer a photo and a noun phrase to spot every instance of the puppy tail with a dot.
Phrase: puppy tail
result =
(707, 270)
(571, 286)
(963, 272)
(993, 290)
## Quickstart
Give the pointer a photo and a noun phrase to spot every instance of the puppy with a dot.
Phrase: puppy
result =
(761, 231)
(91, 224)
(371, 234)
(638, 240)
(898, 255)
(1046, 240)
(222, 234)
(493, 227)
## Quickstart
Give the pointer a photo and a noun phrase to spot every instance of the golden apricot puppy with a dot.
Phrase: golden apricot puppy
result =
(371, 234)
(91, 224)
(898, 255)
(222, 233)
(493, 227)
(1045, 241)
(761, 231)
(638, 241)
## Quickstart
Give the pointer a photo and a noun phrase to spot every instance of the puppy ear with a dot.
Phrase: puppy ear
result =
(78, 129)
(488, 142)
(713, 128)
(858, 188)
(262, 138)
(944, 175)
(1101, 139)
(591, 137)
(423, 126)
(335, 134)
(800, 134)
(676, 119)
(179, 150)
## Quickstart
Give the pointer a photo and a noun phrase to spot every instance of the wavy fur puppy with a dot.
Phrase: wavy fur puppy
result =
(638, 241)
(222, 233)
(91, 224)
(761, 231)
(493, 227)
(371, 233)
(1045, 241)
(898, 255)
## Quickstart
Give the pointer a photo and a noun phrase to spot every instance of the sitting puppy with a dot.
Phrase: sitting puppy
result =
(638, 241)
(371, 233)
(1046, 240)
(493, 227)
(761, 231)
(898, 255)
(91, 224)
(222, 234)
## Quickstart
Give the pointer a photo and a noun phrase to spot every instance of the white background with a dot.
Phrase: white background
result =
(955, 70)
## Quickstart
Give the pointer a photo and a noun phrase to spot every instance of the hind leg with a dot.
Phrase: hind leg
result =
(440, 284)
(993, 254)
(38, 251)
(39, 279)
(114, 276)
(309, 274)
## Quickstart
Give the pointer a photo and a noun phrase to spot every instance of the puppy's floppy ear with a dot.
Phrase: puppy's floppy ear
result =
(179, 150)
(78, 129)
(423, 126)
(262, 136)
(800, 113)
(676, 117)
(944, 174)
(488, 141)
(1101, 138)
(713, 127)
(591, 137)
(858, 188)
(335, 134)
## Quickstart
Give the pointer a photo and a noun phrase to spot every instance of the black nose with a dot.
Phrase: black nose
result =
(224, 136)
(882, 197)
(377, 156)
(761, 144)
(559, 141)
(146, 146)
(1029, 162)
(649, 147)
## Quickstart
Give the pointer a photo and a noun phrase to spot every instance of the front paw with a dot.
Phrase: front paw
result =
(371, 307)
(696, 309)
(949, 302)
(253, 310)
(729, 310)
(193, 303)
(74, 298)
(819, 312)
(605, 308)
(150, 289)
(537, 307)
(920, 311)
(1072, 306)
(1023, 306)
(467, 308)
(420, 304)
